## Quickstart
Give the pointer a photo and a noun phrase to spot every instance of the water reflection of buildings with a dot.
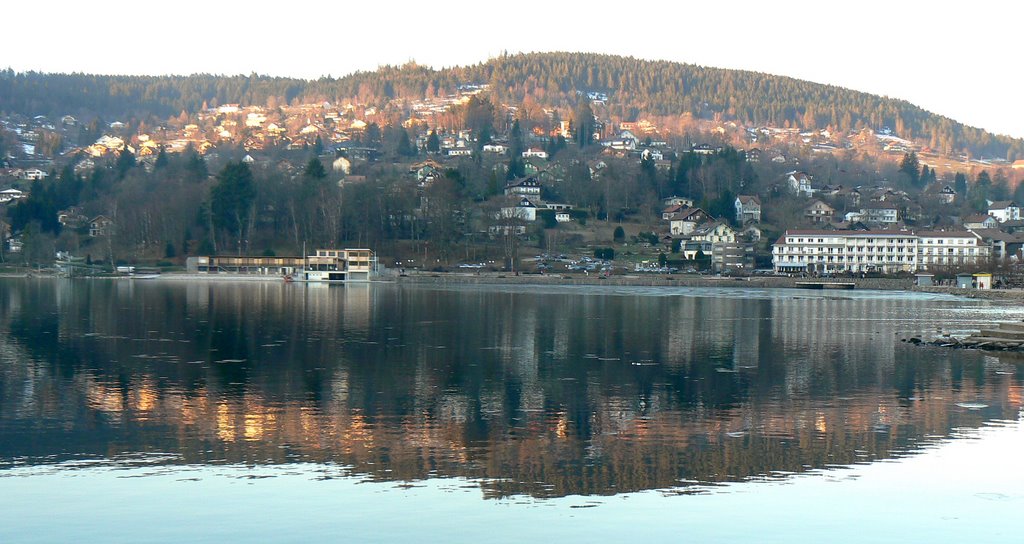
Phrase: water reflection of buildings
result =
(542, 453)
(551, 395)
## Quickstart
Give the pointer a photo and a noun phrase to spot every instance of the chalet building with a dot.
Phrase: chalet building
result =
(34, 174)
(426, 172)
(678, 201)
(101, 225)
(882, 213)
(851, 196)
(819, 212)
(748, 209)
(751, 233)
(829, 190)
(980, 221)
(800, 183)
(528, 186)
(72, 217)
(714, 232)
(8, 195)
(525, 210)
(672, 211)
(1004, 210)
(947, 195)
(620, 144)
(686, 221)
(706, 149)
(652, 154)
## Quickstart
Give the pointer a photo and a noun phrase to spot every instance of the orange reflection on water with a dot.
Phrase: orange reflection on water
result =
(103, 398)
(225, 425)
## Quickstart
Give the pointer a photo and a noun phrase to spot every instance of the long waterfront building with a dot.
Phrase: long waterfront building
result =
(830, 251)
(325, 265)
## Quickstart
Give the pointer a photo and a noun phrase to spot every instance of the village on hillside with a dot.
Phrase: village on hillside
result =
(658, 195)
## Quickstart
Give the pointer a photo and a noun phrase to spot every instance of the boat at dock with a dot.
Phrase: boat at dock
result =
(140, 273)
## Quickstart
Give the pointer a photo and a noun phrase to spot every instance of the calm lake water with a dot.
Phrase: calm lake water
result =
(167, 411)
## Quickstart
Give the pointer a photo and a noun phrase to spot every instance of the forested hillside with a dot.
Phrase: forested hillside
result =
(634, 88)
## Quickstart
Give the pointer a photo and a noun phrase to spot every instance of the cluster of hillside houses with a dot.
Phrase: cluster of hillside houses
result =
(874, 238)
(870, 234)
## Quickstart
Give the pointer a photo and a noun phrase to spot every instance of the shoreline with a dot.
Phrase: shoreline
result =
(657, 280)
(635, 280)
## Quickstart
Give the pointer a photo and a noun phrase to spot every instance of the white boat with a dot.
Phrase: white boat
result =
(326, 276)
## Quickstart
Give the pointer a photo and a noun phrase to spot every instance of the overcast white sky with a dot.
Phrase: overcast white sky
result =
(957, 59)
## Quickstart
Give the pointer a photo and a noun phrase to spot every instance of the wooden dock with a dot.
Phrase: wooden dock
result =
(825, 285)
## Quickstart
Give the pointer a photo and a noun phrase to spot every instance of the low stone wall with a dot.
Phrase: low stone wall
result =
(988, 294)
(644, 280)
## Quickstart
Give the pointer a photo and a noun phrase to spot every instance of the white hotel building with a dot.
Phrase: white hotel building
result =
(828, 251)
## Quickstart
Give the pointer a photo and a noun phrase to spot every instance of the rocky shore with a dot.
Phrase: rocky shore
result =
(639, 280)
(1001, 337)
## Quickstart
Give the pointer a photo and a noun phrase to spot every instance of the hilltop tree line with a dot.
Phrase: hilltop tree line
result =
(635, 88)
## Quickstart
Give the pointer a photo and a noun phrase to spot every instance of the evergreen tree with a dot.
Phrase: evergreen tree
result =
(405, 147)
(371, 136)
(315, 169)
(583, 121)
(483, 138)
(960, 184)
(195, 165)
(1000, 188)
(125, 162)
(478, 115)
(433, 142)
(231, 200)
(515, 140)
(910, 167)
(516, 167)
(161, 159)
(1018, 193)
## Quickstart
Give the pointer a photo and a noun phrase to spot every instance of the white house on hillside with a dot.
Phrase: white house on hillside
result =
(800, 183)
(881, 212)
(535, 152)
(524, 186)
(1004, 210)
(748, 209)
(524, 210)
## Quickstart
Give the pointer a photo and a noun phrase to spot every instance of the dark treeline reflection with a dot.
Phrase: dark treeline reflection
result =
(542, 393)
